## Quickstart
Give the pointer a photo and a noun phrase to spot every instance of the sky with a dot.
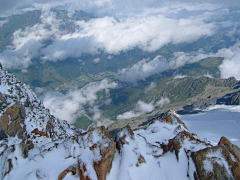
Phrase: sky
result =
(120, 26)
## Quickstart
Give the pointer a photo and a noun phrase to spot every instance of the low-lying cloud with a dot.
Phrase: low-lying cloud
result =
(114, 36)
(151, 87)
(143, 108)
(230, 66)
(143, 69)
(146, 67)
(72, 105)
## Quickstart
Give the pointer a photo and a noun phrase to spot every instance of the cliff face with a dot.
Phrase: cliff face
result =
(36, 145)
(235, 99)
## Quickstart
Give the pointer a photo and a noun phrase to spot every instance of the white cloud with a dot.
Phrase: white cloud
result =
(97, 60)
(146, 68)
(143, 69)
(48, 28)
(143, 108)
(148, 25)
(162, 102)
(3, 22)
(146, 31)
(179, 76)
(230, 66)
(181, 58)
(21, 57)
(151, 87)
(27, 43)
(113, 36)
(70, 106)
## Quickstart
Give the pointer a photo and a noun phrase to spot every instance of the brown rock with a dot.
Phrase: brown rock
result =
(107, 152)
(71, 169)
(141, 160)
(11, 119)
(224, 141)
(104, 166)
(236, 150)
(81, 170)
(176, 143)
(40, 133)
(24, 149)
(9, 167)
(120, 140)
(211, 156)
(167, 118)
(29, 144)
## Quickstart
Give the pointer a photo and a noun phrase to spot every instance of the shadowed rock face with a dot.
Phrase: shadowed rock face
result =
(235, 99)
(3, 135)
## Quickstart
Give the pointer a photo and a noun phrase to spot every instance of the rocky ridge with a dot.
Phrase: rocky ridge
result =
(36, 145)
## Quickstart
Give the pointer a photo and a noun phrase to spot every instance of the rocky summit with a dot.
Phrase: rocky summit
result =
(36, 145)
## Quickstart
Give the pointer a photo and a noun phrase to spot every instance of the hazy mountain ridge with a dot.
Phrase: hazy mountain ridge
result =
(41, 146)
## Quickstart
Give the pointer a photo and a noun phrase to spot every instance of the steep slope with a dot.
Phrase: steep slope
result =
(36, 145)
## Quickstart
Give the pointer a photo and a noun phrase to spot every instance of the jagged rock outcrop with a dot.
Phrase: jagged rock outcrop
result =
(104, 151)
(219, 162)
(36, 145)
(235, 99)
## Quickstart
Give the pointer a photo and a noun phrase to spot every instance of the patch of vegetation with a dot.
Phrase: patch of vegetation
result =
(82, 122)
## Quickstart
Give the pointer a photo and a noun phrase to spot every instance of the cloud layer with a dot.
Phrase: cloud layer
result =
(143, 108)
(143, 69)
(76, 103)
(149, 29)
(230, 66)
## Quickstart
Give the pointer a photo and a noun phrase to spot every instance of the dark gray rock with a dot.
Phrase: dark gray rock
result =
(3, 135)
(235, 99)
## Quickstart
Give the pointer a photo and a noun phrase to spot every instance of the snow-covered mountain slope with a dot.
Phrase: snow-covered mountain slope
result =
(36, 145)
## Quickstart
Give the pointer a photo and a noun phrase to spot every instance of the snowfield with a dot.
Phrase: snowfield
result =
(215, 122)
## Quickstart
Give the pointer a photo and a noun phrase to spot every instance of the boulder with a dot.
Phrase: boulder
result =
(219, 162)
(12, 121)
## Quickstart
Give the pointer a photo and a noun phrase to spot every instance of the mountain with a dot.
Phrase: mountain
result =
(36, 145)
